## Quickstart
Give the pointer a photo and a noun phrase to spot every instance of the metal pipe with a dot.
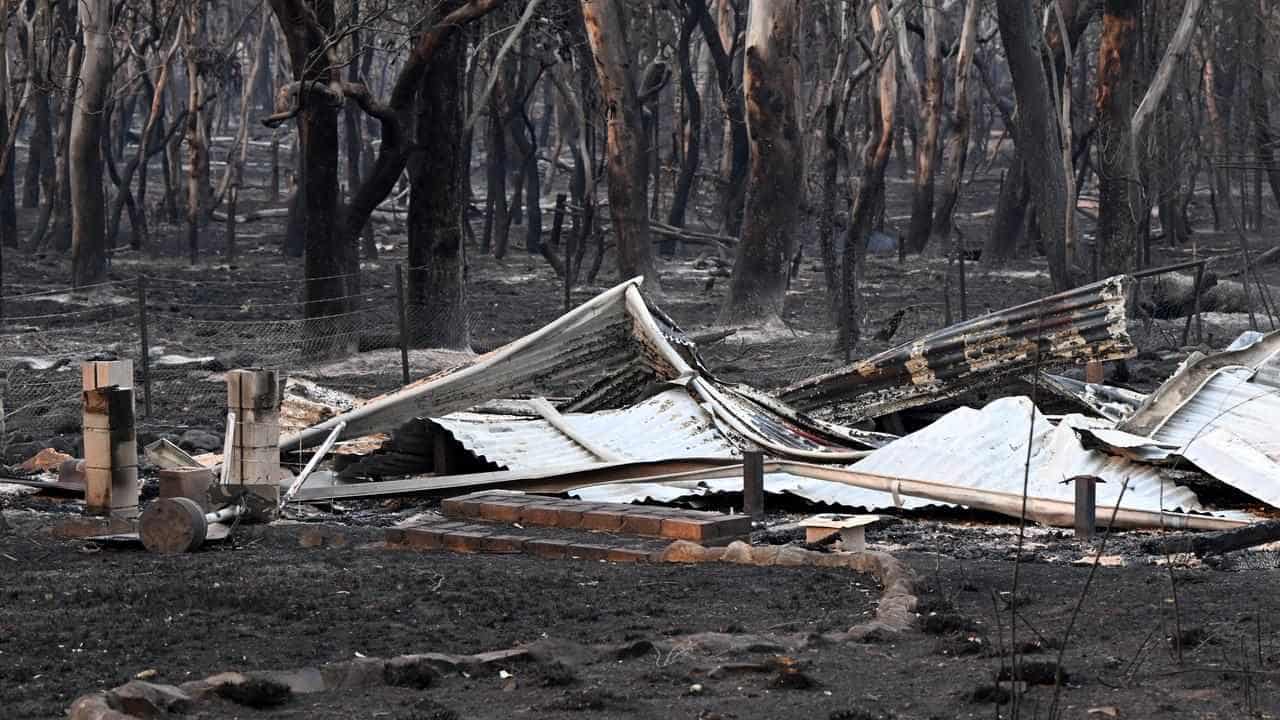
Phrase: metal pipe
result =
(312, 463)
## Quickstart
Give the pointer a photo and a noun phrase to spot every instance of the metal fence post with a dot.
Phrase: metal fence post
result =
(753, 483)
(146, 346)
(403, 313)
(1085, 505)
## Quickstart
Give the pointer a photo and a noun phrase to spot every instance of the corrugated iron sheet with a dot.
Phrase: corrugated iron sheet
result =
(980, 449)
(1220, 413)
(1080, 325)
(616, 350)
(666, 426)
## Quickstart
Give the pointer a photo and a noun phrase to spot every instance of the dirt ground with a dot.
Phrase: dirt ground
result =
(77, 617)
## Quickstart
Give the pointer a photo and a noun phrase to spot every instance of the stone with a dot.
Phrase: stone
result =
(148, 700)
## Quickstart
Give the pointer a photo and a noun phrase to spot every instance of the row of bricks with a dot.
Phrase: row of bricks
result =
(464, 538)
(598, 517)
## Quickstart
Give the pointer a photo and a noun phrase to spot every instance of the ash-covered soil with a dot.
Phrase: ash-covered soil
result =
(76, 618)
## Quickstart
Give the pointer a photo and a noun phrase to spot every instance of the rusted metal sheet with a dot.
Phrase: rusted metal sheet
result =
(619, 349)
(1086, 324)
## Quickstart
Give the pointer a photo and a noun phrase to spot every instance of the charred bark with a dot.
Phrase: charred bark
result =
(957, 147)
(85, 172)
(1120, 203)
(869, 188)
(759, 283)
(1037, 133)
(922, 196)
(692, 130)
(437, 203)
(737, 145)
(626, 159)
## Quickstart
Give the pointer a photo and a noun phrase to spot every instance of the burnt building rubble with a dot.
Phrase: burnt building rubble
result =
(613, 403)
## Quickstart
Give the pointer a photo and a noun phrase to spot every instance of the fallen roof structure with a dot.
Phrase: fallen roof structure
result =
(648, 410)
(1217, 412)
(618, 349)
(977, 458)
(1082, 325)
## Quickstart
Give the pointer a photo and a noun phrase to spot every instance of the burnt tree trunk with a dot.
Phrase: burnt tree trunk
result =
(759, 283)
(59, 200)
(957, 148)
(1260, 106)
(85, 146)
(1120, 205)
(324, 257)
(498, 227)
(626, 159)
(870, 188)
(922, 196)
(437, 204)
(1010, 216)
(40, 155)
(199, 190)
(692, 131)
(737, 146)
(1037, 136)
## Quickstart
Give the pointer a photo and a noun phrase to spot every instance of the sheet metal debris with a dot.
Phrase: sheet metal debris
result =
(1081, 325)
(1113, 403)
(646, 418)
(1218, 412)
(620, 350)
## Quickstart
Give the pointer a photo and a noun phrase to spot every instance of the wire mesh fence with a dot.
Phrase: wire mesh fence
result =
(182, 335)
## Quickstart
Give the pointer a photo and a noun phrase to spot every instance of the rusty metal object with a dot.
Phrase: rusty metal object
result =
(1083, 325)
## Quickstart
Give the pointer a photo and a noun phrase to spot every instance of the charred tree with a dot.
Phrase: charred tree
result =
(882, 103)
(1037, 134)
(957, 146)
(85, 146)
(1119, 186)
(926, 150)
(199, 190)
(625, 151)
(1260, 105)
(306, 25)
(737, 147)
(437, 203)
(759, 283)
(692, 126)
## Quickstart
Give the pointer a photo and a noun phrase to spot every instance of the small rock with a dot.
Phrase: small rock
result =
(47, 460)
(695, 689)
(409, 672)
(256, 692)
(145, 699)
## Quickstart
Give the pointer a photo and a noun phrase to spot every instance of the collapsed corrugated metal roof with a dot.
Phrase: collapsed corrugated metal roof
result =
(645, 398)
(1076, 326)
(1218, 412)
(668, 425)
(618, 349)
(980, 450)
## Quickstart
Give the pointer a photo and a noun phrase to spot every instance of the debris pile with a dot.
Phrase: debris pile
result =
(612, 402)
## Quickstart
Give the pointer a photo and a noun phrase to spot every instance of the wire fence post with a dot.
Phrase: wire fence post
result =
(145, 348)
(753, 484)
(403, 316)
